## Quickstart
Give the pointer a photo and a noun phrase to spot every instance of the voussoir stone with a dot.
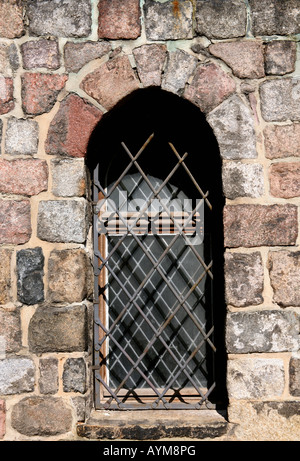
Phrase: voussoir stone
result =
(150, 61)
(270, 17)
(30, 271)
(16, 375)
(11, 19)
(10, 331)
(284, 267)
(180, 66)
(119, 20)
(282, 141)
(242, 180)
(40, 53)
(78, 54)
(5, 275)
(280, 99)
(280, 57)
(6, 95)
(21, 137)
(23, 176)
(41, 416)
(285, 179)
(259, 225)
(15, 221)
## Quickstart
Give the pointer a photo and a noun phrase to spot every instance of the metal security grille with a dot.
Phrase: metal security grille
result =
(153, 322)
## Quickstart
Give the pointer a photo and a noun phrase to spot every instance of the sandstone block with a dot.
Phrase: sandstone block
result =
(5, 275)
(294, 373)
(270, 17)
(150, 61)
(284, 267)
(30, 271)
(2, 418)
(280, 57)
(74, 375)
(259, 225)
(282, 141)
(23, 176)
(78, 54)
(48, 381)
(11, 19)
(71, 127)
(285, 179)
(244, 279)
(41, 416)
(62, 221)
(119, 20)
(180, 66)
(21, 137)
(40, 53)
(16, 375)
(68, 177)
(6, 95)
(10, 332)
(66, 18)
(242, 180)
(15, 221)
(280, 99)
(58, 329)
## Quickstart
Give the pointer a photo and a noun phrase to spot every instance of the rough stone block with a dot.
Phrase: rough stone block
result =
(210, 87)
(284, 267)
(40, 53)
(80, 405)
(280, 99)
(62, 221)
(74, 375)
(244, 279)
(39, 91)
(280, 57)
(2, 418)
(21, 137)
(111, 82)
(242, 180)
(66, 18)
(69, 276)
(71, 127)
(180, 66)
(294, 373)
(9, 60)
(58, 329)
(282, 141)
(15, 221)
(30, 271)
(10, 332)
(270, 17)
(6, 95)
(11, 19)
(259, 225)
(150, 61)
(285, 179)
(236, 140)
(246, 58)
(78, 54)
(169, 20)
(221, 19)
(23, 176)
(264, 331)
(5, 275)
(68, 177)
(119, 20)
(255, 378)
(41, 416)
(48, 380)
(16, 375)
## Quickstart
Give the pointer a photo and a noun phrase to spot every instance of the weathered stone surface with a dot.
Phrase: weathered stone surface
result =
(263, 331)
(11, 19)
(169, 20)
(30, 271)
(233, 125)
(68, 177)
(78, 54)
(15, 221)
(69, 276)
(210, 86)
(39, 91)
(150, 61)
(246, 58)
(8, 59)
(280, 99)
(242, 180)
(111, 82)
(6, 95)
(23, 176)
(255, 378)
(62, 221)
(74, 375)
(16, 375)
(221, 19)
(10, 332)
(2, 418)
(119, 20)
(282, 141)
(48, 380)
(294, 373)
(66, 18)
(21, 137)
(58, 329)
(244, 279)
(71, 127)
(259, 225)
(280, 57)
(285, 179)
(180, 66)
(5, 275)
(41, 416)
(80, 405)
(284, 269)
(270, 17)
(40, 53)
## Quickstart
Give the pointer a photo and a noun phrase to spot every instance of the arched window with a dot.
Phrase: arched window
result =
(159, 307)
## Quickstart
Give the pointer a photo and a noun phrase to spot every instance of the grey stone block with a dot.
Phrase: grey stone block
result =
(48, 381)
(242, 180)
(68, 177)
(21, 137)
(16, 375)
(280, 99)
(180, 66)
(74, 375)
(30, 271)
(273, 17)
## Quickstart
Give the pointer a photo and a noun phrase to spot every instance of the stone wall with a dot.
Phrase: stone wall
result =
(60, 72)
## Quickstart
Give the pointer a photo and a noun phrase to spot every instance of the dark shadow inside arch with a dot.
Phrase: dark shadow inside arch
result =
(171, 119)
